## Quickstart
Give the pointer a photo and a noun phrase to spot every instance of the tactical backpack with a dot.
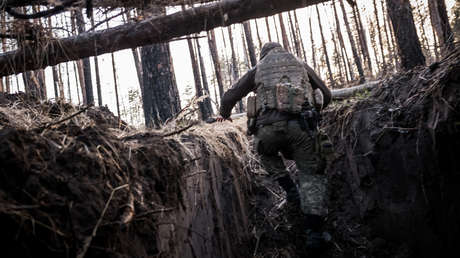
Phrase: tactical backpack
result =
(282, 83)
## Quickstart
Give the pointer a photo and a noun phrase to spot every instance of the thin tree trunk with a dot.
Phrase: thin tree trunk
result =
(204, 79)
(137, 61)
(440, 21)
(326, 55)
(387, 36)
(55, 82)
(115, 84)
(96, 68)
(68, 81)
(245, 50)
(425, 44)
(61, 84)
(409, 48)
(7, 87)
(336, 57)
(294, 35)
(234, 65)
(196, 75)
(379, 33)
(268, 30)
(258, 35)
(77, 82)
(299, 35)
(356, 57)
(89, 98)
(286, 44)
(344, 55)
(393, 38)
(313, 47)
(276, 30)
(251, 50)
(215, 61)
(362, 37)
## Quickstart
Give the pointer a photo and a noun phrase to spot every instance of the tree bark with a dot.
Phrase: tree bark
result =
(409, 48)
(276, 30)
(250, 43)
(313, 47)
(388, 37)
(284, 36)
(379, 33)
(89, 96)
(356, 57)
(440, 21)
(235, 66)
(268, 30)
(203, 115)
(299, 35)
(96, 68)
(215, 61)
(148, 31)
(160, 98)
(362, 37)
(344, 55)
(326, 55)
(259, 40)
(294, 36)
(204, 79)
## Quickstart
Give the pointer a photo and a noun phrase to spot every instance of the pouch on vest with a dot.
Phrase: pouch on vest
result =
(289, 98)
(251, 107)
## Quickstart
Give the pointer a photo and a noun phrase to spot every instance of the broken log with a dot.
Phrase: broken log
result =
(149, 31)
(349, 92)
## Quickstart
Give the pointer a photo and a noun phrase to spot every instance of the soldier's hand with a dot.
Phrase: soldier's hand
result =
(221, 119)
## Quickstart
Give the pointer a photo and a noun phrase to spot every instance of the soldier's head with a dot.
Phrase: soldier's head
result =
(267, 48)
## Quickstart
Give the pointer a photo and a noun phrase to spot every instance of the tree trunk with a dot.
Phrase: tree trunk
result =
(68, 81)
(286, 44)
(115, 84)
(294, 36)
(313, 47)
(96, 67)
(61, 84)
(276, 29)
(235, 69)
(346, 61)
(336, 57)
(356, 57)
(425, 44)
(203, 115)
(259, 40)
(326, 55)
(216, 62)
(204, 79)
(391, 47)
(89, 98)
(160, 98)
(251, 50)
(77, 80)
(145, 32)
(409, 49)
(440, 22)
(299, 36)
(379, 33)
(268, 29)
(362, 37)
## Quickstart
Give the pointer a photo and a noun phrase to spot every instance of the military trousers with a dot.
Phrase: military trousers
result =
(288, 138)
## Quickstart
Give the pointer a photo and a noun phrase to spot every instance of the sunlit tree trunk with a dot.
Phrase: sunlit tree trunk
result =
(235, 69)
(296, 39)
(96, 68)
(268, 29)
(344, 55)
(326, 55)
(204, 79)
(379, 33)
(284, 36)
(409, 48)
(89, 98)
(299, 36)
(356, 57)
(440, 22)
(250, 43)
(313, 47)
(215, 61)
(362, 37)
(258, 35)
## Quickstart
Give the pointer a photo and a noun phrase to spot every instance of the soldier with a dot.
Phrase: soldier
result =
(283, 117)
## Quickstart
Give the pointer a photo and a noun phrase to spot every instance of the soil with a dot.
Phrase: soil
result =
(78, 182)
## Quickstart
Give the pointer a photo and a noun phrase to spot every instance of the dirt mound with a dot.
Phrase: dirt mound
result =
(395, 178)
(76, 182)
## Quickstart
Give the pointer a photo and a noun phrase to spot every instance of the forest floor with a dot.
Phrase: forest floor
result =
(78, 182)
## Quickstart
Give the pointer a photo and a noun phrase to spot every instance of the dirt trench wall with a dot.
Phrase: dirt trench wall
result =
(394, 182)
(83, 188)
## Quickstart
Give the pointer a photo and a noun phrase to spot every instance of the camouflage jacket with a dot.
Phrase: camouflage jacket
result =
(246, 84)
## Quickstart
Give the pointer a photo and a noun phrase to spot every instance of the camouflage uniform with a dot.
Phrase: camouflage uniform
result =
(281, 131)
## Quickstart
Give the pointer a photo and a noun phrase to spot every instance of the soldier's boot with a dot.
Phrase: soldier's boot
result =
(317, 240)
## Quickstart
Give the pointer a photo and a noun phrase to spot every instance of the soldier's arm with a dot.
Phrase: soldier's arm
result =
(317, 83)
(240, 89)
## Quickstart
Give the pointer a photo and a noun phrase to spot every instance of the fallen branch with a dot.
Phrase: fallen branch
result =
(348, 92)
(62, 120)
(180, 130)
